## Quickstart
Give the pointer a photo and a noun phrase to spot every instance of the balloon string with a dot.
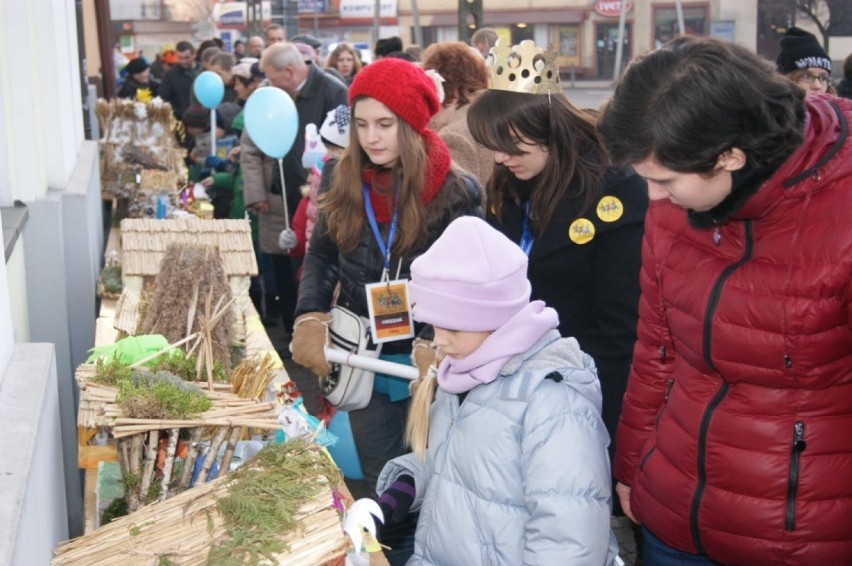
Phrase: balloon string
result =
(284, 194)
(212, 131)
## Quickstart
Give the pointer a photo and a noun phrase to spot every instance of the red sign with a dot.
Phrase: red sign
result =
(611, 7)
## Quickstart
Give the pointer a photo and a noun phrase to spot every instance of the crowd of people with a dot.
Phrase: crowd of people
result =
(639, 310)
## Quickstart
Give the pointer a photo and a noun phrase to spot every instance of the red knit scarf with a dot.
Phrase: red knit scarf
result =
(438, 161)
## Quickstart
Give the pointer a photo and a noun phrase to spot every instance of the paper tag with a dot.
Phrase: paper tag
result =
(390, 314)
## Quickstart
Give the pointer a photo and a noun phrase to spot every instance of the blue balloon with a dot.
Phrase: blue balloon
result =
(271, 121)
(209, 89)
(344, 453)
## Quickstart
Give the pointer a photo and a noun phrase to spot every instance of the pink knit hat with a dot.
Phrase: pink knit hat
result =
(401, 86)
(473, 278)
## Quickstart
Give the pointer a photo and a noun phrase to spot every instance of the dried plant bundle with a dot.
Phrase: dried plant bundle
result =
(189, 274)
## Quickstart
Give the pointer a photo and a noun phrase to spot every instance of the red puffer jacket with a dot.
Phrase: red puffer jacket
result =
(736, 430)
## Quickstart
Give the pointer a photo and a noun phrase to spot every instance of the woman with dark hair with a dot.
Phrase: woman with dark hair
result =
(391, 195)
(465, 77)
(734, 442)
(577, 218)
(346, 60)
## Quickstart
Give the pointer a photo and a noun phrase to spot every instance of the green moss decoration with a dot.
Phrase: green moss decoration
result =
(111, 372)
(117, 508)
(110, 279)
(160, 395)
(264, 497)
(184, 367)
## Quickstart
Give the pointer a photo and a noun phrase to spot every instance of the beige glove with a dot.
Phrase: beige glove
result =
(310, 337)
(423, 355)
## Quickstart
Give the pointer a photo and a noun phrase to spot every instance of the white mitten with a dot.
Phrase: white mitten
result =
(287, 240)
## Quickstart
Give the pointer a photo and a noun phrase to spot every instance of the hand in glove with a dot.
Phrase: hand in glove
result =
(310, 336)
(287, 240)
(397, 499)
(423, 355)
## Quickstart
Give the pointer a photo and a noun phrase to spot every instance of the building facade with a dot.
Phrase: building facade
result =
(585, 32)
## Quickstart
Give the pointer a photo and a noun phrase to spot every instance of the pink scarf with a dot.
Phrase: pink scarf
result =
(518, 335)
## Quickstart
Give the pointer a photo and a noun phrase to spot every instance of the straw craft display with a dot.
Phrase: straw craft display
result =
(98, 408)
(230, 519)
(144, 244)
(138, 142)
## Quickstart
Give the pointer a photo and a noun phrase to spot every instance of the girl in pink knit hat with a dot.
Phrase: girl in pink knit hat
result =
(390, 196)
(509, 463)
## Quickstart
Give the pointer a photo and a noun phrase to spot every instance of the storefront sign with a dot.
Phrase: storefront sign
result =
(232, 15)
(311, 6)
(364, 9)
(611, 7)
(723, 29)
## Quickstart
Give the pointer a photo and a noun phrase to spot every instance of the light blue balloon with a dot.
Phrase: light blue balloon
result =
(271, 121)
(344, 453)
(209, 89)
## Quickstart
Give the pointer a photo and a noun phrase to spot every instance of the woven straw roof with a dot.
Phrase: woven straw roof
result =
(144, 242)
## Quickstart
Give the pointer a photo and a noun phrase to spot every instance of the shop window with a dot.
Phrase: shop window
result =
(665, 22)
(568, 38)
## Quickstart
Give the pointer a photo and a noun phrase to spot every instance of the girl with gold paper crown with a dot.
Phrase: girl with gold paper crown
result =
(578, 219)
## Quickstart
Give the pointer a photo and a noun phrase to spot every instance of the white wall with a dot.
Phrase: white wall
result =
(47, 288)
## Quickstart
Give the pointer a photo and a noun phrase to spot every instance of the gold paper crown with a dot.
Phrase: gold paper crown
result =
(523, 68)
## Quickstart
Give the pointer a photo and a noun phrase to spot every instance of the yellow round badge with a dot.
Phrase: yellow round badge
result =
(610, 209)
(581, 231)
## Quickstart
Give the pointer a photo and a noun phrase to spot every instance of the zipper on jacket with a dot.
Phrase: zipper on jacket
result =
(716, 292)
(669, 385)
(702, 473)
(798, 447)
(712, 303)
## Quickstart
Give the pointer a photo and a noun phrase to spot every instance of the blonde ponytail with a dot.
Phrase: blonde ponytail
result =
(417, 425)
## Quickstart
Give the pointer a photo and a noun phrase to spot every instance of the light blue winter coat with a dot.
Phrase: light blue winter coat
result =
(519, 472)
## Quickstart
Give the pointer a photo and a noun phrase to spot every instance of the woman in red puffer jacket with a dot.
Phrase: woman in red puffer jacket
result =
(735, 440)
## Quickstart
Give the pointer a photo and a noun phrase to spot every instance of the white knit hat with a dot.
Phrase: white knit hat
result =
(335, 128)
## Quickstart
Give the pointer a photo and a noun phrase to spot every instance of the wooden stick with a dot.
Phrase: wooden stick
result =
(229, 449)
(191, 456)
(151, 459)
(136, 447)
(170, 462)
(212, 452)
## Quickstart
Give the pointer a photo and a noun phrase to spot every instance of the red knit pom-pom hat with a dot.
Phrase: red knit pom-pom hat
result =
(402, 87)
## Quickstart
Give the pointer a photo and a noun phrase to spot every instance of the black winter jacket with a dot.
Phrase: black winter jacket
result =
(324, 265)
(594, 286)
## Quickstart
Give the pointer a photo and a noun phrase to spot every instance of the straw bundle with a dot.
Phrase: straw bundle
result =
(182, 530)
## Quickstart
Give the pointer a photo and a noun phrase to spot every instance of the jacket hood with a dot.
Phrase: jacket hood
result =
(820, 158)
(552, 353)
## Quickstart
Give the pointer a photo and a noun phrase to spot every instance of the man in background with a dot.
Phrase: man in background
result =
(275, 34)
(483, 40)
(315, 94)
(176, 87)
(254, 46)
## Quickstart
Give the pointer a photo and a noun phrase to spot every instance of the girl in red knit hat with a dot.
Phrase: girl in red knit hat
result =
(391, 194)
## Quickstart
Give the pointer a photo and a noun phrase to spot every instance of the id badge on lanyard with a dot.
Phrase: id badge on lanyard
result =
(387, 300)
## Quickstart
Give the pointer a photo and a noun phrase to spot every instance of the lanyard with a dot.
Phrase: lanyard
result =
(526, 242)
(371, 216)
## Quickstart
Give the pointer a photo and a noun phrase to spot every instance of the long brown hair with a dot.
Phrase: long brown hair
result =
(343, 204)
(576, 154)
(331, 63)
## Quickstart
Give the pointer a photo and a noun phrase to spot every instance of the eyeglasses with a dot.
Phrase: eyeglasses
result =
(808, 78)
